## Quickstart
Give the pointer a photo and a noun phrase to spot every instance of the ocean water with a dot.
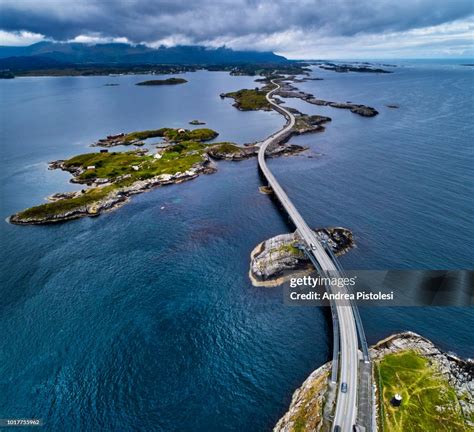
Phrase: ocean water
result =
(144, 318)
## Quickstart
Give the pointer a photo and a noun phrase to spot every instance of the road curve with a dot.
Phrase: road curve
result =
(346, 403)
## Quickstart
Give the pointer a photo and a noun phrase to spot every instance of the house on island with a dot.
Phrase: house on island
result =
(111, 137)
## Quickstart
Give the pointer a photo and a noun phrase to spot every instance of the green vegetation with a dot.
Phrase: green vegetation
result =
(167, 81)
(252, 69)
(177, 158)
(179, 135)
(142, 135)
(176, 135)
(262, 69)
(97, 70)
(309, 413)
(429, 403)
(89, 197)
(225, 148)
(122, 169)
(290, 249)
(250, 100)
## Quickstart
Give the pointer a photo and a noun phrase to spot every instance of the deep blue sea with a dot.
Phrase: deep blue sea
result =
(144, 318)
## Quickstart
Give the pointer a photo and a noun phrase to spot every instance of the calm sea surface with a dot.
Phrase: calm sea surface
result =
(144, 318)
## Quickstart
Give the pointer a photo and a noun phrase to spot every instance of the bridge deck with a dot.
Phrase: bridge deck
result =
(346, 404)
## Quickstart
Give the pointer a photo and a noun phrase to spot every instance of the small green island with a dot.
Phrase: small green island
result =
(169, 134)
(158, 82)
(113, 177)
(249, 99)
(110, 178)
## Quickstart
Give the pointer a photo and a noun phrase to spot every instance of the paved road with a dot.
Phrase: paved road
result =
(346, 403)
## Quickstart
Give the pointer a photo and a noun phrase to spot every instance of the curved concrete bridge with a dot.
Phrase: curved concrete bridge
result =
(346, 404)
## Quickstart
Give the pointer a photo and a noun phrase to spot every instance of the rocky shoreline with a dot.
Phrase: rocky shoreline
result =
(305, 412)
(120, 195)
(251, 150)
(112, 185)
(288, 90)
(116, 197)
(366, 68)
(276, 260)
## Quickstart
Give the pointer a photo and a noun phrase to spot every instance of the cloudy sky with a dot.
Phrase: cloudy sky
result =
(294, 28)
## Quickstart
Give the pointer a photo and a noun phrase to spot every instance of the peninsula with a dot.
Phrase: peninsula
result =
(418, 387)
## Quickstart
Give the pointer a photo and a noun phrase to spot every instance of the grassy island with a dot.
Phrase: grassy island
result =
(226, 148)
(167, 81)
(111, 166)
(429, 403)
(116, 175)
(170, 134)
(249, 100)
(112, 177)
(86, 199)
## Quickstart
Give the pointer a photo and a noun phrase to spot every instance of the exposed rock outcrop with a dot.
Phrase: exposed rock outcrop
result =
(277, 259)
(306, 407)
(305, 413)
(288, 90)
(237, 153)
(114, 199)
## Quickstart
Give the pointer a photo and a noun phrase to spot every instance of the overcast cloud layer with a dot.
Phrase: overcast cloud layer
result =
(298, 29)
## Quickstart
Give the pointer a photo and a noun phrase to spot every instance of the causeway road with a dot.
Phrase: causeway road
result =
(346, 402)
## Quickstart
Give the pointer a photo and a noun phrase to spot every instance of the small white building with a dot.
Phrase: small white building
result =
(181, 130)
(91, 167)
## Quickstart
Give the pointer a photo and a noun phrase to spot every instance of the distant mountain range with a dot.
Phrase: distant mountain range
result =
(56, 54)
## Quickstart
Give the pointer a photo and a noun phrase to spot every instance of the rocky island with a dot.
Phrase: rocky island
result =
(436, 390)
(288, 90)
(254, 99)
(158, 82)
(276, 260)
(113, 177)
(249, 99)
(168, 134)
(366, 67)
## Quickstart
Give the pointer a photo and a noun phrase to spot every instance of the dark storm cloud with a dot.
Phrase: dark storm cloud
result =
(206, 20)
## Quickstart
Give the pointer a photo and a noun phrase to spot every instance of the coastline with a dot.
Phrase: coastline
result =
(97, 242)
(278, 259)
(113, 199)
(307, 410)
